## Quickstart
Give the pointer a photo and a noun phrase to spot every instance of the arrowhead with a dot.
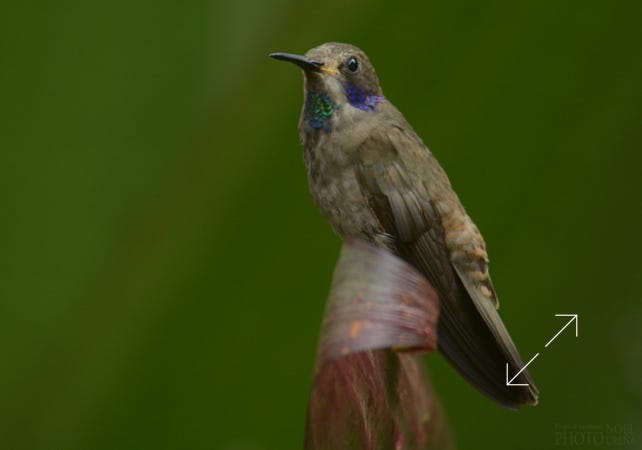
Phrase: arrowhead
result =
(510, 382)
(577, 321)
(574, 317)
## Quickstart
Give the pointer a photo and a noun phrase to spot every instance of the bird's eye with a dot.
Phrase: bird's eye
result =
(352, 64)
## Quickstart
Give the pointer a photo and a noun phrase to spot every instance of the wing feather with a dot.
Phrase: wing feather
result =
(399, 179)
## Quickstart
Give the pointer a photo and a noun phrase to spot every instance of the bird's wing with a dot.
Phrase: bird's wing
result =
(396, 174)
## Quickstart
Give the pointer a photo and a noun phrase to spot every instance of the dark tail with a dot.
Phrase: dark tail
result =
(479, 347)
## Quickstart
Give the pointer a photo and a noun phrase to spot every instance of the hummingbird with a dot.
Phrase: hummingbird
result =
(373, 178)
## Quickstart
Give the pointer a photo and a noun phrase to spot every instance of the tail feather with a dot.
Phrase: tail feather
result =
(469, 344)
(470, 334)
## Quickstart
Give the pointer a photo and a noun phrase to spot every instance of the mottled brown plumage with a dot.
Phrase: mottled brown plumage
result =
(373, 178)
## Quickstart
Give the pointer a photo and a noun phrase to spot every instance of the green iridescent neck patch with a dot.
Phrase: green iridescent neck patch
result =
(319, 108)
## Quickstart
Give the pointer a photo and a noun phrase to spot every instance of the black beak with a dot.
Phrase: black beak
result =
(299, 60)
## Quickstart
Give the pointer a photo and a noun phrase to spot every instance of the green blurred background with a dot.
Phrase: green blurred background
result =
(164, 270)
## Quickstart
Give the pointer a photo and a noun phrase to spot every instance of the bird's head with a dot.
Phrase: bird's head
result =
(336, 76)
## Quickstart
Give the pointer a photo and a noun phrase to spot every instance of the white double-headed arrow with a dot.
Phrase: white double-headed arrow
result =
(573, 318)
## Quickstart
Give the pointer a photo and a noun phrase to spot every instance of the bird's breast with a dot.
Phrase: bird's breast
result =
(336, 191)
